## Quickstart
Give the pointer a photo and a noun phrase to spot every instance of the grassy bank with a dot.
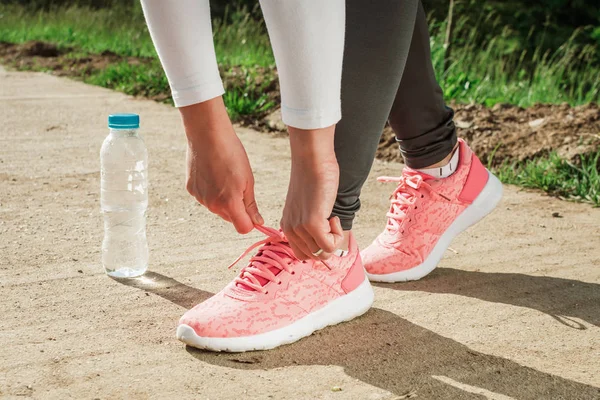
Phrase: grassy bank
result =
(557, 177)
(242, 47)
(485, 71)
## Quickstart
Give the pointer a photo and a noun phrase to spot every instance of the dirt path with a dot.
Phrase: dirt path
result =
(514, 312)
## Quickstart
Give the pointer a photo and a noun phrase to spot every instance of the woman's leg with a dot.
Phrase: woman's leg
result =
(420, 118)
(378, 39)
(381, 81)
(442, 191)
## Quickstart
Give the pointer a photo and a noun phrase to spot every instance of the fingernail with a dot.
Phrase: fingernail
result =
(258, 219)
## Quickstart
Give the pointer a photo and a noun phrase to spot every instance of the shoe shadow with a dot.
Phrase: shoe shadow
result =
(386, 351)
(167, 288)
(562, 299)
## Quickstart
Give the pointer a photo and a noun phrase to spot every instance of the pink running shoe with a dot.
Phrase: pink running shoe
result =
(277, 299)
(426, 214)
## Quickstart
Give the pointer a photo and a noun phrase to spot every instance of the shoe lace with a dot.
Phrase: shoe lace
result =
(403, 198)
(274, 255)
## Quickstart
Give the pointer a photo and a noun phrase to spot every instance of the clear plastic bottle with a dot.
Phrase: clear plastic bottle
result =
(124, 198)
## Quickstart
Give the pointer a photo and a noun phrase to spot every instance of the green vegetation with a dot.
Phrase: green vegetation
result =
(240, 41)
(495, 72)
(241, 103)
(557, 176)
(94, 31)
(490, 62)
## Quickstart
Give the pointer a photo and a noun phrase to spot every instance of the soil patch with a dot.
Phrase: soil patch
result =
(511, 133)
(61, 61)
(501, 133)
(507, 133)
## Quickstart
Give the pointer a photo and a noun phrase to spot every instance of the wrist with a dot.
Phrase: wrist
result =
(312, 145)
(207, 121)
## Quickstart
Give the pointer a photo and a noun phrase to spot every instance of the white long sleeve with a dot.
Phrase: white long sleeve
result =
(307, 37)
(182, 34)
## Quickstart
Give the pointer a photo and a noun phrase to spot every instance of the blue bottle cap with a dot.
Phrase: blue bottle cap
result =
(124, 121)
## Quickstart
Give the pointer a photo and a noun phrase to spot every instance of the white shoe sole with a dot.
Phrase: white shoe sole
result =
(485, 202)
(344, 308)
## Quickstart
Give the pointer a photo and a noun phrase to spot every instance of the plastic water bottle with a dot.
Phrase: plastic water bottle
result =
(124, 198)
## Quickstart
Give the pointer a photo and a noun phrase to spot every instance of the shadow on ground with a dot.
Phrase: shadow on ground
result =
(167, 288)
(562, 299)
(389, 352)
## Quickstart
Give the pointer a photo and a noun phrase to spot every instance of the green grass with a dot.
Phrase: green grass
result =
(94, 31)
(241, 103)
(242, 41)
(557, 176)
(497, 70)
(239, 42)
(486, 69)
(146, 80)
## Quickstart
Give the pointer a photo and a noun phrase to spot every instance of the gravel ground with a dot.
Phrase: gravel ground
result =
(512, 312)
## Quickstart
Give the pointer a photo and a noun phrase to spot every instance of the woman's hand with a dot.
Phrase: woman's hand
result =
(312, 191)
(218, 171)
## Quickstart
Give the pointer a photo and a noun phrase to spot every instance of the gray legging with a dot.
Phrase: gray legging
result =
(387, 75)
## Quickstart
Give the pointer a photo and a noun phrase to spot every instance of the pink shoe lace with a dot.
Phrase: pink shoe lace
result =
(403, 198)
(274, 256)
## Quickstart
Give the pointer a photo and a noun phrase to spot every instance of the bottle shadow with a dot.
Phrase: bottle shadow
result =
(384, 350)
(167, 288)
(562, 299)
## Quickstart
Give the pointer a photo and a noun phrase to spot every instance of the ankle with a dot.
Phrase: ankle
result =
(445, 167)
(444, 161)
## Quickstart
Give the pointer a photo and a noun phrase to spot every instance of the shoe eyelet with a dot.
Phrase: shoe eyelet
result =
(422, 196)
(267, 292)
(279, 283)
(415, 207)
(293, 272)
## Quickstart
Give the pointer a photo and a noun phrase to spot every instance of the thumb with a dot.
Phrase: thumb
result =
(252, 207)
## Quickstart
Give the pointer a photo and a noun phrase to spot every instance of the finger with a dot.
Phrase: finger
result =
(251, 206)
(298, 246)
(336, 230)
(312, 246)
(239, 217)
(217, 211)
(224, 216)
(321, 234)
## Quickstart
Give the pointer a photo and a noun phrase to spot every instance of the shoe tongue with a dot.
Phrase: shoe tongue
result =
(276, 271)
